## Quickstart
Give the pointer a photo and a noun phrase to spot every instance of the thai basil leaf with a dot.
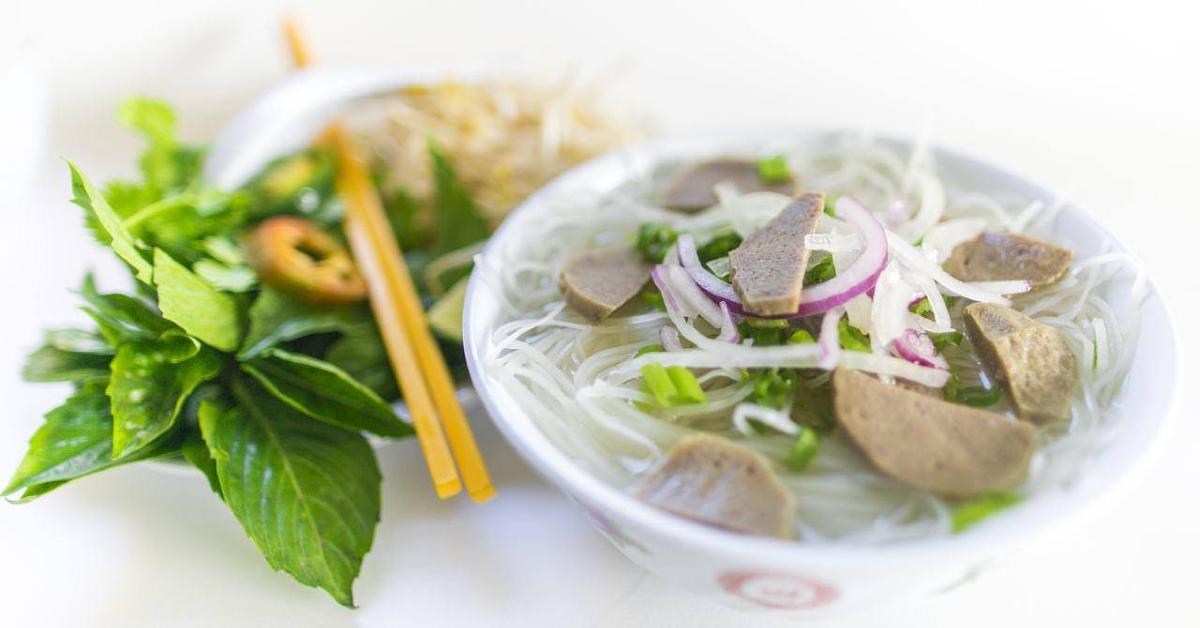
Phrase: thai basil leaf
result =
(196, 452)
(148, 388)
(75, 440)
(276, 318)
(227, 278)
(459, 221)
(324, 392)
(51, 364)
(122, 243)
(361, 354)
(78, 341)
(200, 309)
(306, 493)
(120, 317)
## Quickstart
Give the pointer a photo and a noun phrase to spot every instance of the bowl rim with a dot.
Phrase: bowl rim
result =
(1022, 523)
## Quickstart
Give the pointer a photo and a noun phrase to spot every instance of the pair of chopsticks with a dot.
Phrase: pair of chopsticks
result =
(416, 359)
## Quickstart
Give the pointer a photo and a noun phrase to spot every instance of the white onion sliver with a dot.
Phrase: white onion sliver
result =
(688, 292)
(669, 337)
(913, 259)
(831, 350)
(1014, 286)
(707, 281)
(770, 417)
(833, 242)
(729, 329)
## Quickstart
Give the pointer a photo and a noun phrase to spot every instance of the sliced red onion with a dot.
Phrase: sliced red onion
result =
(729, 329)
(707, 281)
(859, 276)
(831, 349)
(659, 276)
(691, 296)
(917, 348)
(669, 338)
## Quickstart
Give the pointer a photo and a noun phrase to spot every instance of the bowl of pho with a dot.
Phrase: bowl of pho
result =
(805, 372)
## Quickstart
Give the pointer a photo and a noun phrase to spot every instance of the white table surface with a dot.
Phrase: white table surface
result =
(1100, 101)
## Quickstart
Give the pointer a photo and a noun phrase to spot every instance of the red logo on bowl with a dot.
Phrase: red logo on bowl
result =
(782, 591)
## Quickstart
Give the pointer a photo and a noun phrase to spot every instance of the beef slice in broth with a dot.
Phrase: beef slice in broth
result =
(767, 270)
(713, 481)
(922, 441)
(998, 256)
(692, 188)
(1031, 359)
(598, 282)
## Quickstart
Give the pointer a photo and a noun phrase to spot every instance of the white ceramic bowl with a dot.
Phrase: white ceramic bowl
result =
(808, 580)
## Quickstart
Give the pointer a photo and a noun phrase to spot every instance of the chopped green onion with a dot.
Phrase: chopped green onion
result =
(656, 382)
(654, 348)
(801, 337)
(760, 336)
(774, 169)
(671, 386)
(773, 387)
(807, 444)
(651, 296)
(820, 272)
(719, 246)
(687, 389)
(767, 323)
(654, 240)
(973, 511)
(974, 396)
(977, 396)
(829, 203)
(851, 338)
(941, 341)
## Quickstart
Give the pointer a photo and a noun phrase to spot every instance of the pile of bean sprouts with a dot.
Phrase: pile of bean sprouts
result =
(579, 382)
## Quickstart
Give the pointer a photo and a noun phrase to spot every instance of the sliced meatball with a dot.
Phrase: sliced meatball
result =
(598, 282)
(949, 449)
(1031, 359)
(767, 269)
(998, 256)
(692, 189)
(713, 481)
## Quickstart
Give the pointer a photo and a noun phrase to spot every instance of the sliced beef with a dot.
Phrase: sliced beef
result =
(952, 450)
(713, 481)
(998, 256)
(1031, 359)
(767, 270)
(692, 188)
(598, 282)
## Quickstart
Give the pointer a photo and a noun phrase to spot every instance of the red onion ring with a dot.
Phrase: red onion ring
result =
(669, 338)
(853, 281)
(917, 348)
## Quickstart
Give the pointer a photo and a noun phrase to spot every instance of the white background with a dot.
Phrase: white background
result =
(1101, 102)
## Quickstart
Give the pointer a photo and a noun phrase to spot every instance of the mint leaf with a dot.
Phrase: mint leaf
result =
(324, 392)
(122, 243)
(276, 318)
(75, 440)
(149, 384)
(200, 309)
(306, 493)
(459, 221)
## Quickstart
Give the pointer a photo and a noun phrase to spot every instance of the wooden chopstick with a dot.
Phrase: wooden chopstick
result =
(370, 234)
